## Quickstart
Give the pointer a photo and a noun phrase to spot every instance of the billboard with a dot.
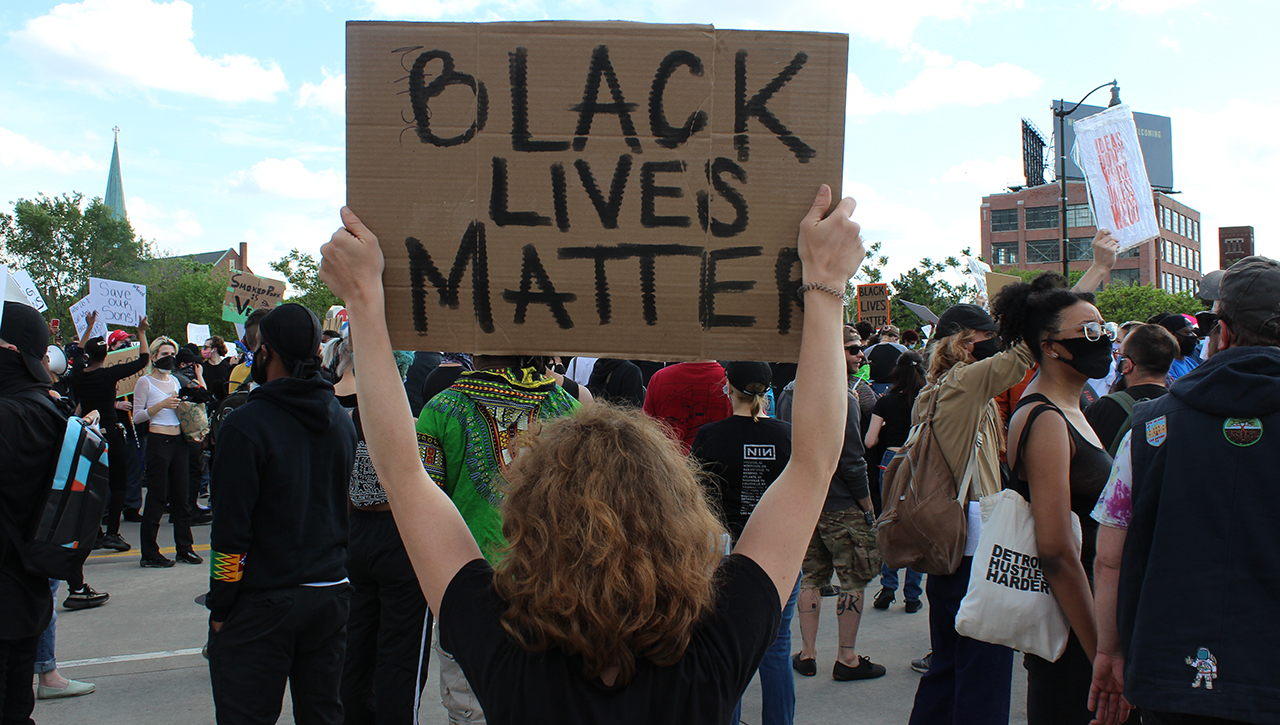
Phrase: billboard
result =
(1154, 136)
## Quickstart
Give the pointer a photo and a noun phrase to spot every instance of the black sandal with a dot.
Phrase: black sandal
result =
(808, 668)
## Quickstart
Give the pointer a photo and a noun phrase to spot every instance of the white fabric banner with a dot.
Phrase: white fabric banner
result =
(1119, 192)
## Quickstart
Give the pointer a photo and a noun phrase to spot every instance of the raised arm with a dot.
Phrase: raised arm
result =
(1105, 248)
(436, 537)
(779, 529)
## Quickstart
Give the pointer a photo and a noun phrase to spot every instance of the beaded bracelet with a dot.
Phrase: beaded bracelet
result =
(819, 287)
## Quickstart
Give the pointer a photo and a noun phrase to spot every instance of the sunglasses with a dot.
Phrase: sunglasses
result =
(1093, 331)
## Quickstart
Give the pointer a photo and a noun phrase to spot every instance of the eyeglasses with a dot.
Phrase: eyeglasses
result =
(1093, 331)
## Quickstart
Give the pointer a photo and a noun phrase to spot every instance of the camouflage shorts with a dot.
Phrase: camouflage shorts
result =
(845, 545)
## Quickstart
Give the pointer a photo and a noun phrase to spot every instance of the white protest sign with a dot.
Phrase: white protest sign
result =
(28, 287)
(118, 303)
(1107, 150)
(197, 334)
(79, 314)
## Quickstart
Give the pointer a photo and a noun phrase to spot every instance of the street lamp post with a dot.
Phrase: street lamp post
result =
(1061, 113)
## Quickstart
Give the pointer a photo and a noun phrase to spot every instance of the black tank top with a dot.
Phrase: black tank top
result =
(1090, 467)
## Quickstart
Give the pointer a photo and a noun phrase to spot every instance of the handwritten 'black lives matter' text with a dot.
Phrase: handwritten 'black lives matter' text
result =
(1016, 570)
(605, 188)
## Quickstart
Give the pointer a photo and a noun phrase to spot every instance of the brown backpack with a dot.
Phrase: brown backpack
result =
(925, 519)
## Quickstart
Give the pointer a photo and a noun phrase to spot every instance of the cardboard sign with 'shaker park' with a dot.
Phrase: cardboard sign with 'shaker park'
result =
(622, 189)
(246, 293)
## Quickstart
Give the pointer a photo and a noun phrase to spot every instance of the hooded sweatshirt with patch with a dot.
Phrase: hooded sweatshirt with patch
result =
(1200, 577)
(280, 473)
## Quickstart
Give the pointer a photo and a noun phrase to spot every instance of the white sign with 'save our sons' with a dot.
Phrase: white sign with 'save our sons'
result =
(118, 303)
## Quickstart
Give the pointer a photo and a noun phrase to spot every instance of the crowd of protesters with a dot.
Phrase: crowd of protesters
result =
(571, 561)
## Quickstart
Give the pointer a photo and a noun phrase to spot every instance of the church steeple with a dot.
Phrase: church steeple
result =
(115, 187)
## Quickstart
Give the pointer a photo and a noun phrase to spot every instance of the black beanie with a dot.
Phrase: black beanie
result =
(293, 331)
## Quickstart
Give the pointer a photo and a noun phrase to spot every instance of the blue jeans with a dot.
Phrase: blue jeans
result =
(777, 680)
(889, 577)
(45, 659)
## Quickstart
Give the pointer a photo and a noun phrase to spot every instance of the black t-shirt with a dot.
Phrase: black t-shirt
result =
(743, 458)
(442, 378)
(895, 408)
(96, 389)
(1106, 416)
(514, 685)
(216, 377)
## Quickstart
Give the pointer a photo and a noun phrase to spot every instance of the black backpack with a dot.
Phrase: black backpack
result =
(75, 497)
(234, 400)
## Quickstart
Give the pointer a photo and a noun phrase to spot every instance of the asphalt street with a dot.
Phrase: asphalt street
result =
(142, 651)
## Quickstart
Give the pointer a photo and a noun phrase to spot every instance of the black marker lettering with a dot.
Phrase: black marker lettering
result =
(711, 287)
(758, 106)
(647, 253)
(530, 271)
(788, 258)
(608, 211)
(666, 135)
(601, 66)
(521, 138)
(714, 171)
(421, 92)
(649, 191)
(422, 268)
(498, 202)
(560, 194)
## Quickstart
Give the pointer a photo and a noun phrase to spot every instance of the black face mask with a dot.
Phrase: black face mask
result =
(258, 371)
(168, 363)
(1187, 345)
(1090, 358)
(985, 349)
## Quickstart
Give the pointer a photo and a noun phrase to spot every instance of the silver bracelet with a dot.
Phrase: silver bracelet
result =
(821, 288)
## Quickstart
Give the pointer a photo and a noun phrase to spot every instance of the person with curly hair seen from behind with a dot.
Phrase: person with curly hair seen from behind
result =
(611, 603)
(969, 681)
(1060, 467)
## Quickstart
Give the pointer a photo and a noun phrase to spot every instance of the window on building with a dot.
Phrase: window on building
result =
(1198, 260)
(1133, 252)
(1004, 254)
(1127, 277)
(1164, 217)
(1004, 220)
(1195, 230)
(1042, 217)
(1040, 251)
(1078, 249)
(1164, 249)
(1182, 256)
(1182, 225)
(1079, 215)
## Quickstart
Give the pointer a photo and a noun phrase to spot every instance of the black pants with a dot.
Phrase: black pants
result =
(389, 629)
(195, 475)
(1150, 717)
(117, 474)
(298, 634)
(166, 483)
(17, 665)
(1058, 692)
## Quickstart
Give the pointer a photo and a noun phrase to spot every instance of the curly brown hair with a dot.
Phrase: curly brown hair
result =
(612, 543)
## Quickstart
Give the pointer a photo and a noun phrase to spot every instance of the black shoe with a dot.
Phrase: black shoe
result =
(808, 668)
(202, 519)
(829, 590)
(866, 670)
(85, 598)
(922, 665)
(97, 542)
(161, 562)
(115, 542)
(913, 606)
(189, 557)
(884, 598)
(133, 516)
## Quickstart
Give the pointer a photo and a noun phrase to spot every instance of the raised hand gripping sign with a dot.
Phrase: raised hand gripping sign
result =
(118, 303)
(1107, 150)
(613, 188)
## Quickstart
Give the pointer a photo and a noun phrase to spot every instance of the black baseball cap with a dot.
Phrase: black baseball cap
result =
(1209, 285)
(1249, 294)
(26, 330)
(753, 378)
(293, 332)
(963, 316)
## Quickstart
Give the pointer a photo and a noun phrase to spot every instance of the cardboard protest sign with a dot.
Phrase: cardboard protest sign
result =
(1108, 151)
(873, 304)
(592, 188)
(921, 311)
(119, 357)
(997, 282)
(29, 289)
(335, 318)
(79, 316)
(197, 334)
(246, 293)
(118, 303)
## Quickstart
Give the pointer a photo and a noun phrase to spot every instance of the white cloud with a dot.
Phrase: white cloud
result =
(330, 94)
(140, 44)
(166, 227)
(943, 82)
(19, 153)
(1170, 43)
(291, 179)
(1143, 7)
(986, 174)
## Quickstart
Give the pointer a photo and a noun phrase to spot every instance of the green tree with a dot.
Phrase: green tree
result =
(1121, 303)
(926, 285)
(62, 242)
(302, 272)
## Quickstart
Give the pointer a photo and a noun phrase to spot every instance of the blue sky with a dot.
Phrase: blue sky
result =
(232, 122)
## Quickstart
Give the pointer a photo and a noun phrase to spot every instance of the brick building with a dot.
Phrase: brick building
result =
(1234, 244)
(1020, 230)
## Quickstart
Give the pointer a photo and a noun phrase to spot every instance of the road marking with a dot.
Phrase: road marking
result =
(136, 553)
(131, 658)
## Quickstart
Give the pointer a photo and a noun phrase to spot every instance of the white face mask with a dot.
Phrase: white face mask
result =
(726, 390)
